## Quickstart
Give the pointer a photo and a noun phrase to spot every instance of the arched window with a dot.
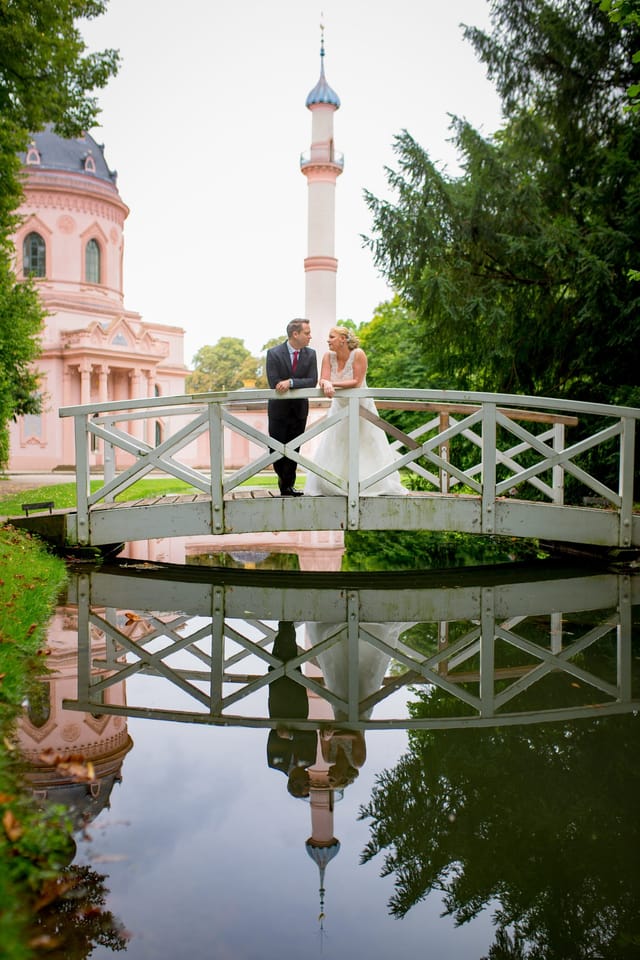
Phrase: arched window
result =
(33, 154)
(92, 262)
(39, 704)
(34, 256)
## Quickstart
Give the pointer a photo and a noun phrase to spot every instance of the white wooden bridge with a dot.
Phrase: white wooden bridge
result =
(472, 462)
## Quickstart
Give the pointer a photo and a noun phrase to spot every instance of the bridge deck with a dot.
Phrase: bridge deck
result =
(264, 511)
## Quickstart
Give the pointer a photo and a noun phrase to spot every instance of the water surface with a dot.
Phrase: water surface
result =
(472, 777)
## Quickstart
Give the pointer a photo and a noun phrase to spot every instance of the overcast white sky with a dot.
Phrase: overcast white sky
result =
(205, 124)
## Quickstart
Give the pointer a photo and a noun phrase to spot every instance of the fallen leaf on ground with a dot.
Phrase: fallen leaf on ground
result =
(12, 826)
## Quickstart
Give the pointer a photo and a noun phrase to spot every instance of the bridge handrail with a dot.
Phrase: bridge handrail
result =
(555, 406)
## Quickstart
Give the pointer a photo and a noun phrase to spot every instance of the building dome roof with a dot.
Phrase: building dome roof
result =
(322, 92)
(49, 151)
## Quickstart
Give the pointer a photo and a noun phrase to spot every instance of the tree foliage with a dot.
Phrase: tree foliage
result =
(626, 13)
(225, 366)
(517, 270)
(392, 343)
(46, 76)
(20, 326)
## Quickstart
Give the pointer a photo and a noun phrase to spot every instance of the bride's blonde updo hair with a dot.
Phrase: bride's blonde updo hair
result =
(352, 340)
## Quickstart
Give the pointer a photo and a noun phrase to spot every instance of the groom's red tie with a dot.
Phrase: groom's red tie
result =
(294, 363)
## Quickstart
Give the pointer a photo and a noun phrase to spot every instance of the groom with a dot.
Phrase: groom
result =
(290, 366)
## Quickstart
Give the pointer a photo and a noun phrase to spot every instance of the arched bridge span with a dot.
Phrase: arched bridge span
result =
(472, 462)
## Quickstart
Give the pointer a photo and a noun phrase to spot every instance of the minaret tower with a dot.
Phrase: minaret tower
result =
(321, 166)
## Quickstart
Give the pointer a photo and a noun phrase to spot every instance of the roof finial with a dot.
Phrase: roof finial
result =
(322, 92)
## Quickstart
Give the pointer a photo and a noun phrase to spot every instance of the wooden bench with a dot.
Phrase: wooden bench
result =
(42, 505)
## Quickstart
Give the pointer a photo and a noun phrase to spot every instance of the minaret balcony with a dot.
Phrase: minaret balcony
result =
(321, 156)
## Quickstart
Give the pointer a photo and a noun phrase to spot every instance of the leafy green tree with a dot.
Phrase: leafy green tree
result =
(46, 76)
(392, 342)
(20, 326)
(225, 366)
(625, 13)
(261, 362)
(517, 270)
(273, 342)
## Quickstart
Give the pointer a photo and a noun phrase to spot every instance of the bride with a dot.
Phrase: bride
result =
(344, 366)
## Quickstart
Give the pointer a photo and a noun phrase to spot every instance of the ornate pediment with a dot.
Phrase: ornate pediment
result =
(119, 336)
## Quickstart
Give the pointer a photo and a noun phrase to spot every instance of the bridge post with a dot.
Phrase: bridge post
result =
(487, 652)
(216, 463)
(444, 424)
(353, 495)
(488, 467)
(83, 601)
(627, 447)
(109, 465)
(557, 472)
(217, 651)
(353, 634)
(83, 486)
(624, 630)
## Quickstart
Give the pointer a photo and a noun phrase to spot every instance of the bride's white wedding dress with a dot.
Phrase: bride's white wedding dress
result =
(332, 452)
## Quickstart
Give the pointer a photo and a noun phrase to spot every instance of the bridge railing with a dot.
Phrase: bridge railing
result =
(491, 446)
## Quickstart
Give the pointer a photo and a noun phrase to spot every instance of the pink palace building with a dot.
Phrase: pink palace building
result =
(70, 240)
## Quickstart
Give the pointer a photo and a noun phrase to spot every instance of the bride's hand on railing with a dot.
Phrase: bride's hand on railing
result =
(327, 388)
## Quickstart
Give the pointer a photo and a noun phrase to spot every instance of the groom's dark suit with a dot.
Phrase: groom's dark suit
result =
(288, 418)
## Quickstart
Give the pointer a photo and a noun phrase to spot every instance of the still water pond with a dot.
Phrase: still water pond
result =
(441, 765)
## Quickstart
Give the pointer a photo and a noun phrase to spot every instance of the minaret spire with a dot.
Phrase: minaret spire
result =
(322, 166)
(321, 45)
(322, 853)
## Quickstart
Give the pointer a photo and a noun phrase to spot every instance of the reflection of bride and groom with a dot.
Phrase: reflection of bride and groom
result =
(328, 758)
(324, 759)
(343, 367)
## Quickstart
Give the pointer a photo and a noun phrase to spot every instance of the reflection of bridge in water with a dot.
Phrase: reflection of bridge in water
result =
(510, 645)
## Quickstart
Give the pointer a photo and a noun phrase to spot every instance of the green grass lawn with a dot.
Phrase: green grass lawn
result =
(64, 494)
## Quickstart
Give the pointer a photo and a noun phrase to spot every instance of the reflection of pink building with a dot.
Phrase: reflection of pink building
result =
(71, 241)
(47, 730)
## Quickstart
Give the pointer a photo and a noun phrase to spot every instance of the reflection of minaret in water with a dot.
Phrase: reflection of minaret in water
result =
(340, 751)
(48, 730)
(322, 846)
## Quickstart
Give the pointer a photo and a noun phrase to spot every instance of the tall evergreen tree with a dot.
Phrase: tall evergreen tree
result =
(518, 269)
